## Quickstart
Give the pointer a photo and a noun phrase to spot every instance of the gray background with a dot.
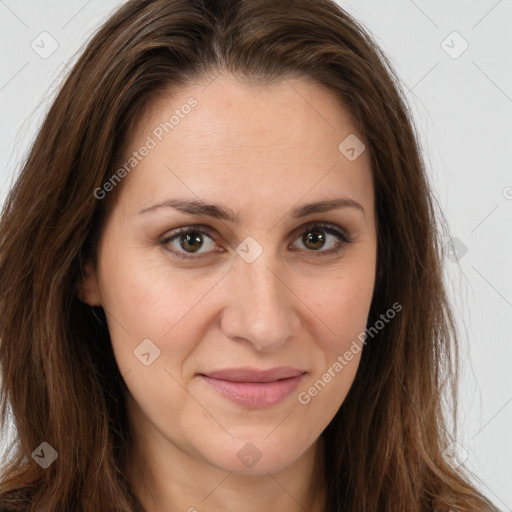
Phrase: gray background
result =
(462, 105)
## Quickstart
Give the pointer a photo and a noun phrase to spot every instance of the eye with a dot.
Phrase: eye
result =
(188, 239)
(315, 237)
(186, 243)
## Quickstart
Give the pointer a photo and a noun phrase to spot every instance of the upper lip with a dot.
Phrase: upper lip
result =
(254, 375)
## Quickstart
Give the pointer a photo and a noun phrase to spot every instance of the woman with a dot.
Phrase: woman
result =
(221, 278)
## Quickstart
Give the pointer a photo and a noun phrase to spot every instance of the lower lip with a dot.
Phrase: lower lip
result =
(255, 394)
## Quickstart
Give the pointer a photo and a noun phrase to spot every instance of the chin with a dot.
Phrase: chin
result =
(255, 455)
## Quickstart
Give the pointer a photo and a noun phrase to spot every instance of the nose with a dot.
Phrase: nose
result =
(261, 308)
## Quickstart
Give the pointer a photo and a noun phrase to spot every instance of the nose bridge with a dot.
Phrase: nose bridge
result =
(261, 310)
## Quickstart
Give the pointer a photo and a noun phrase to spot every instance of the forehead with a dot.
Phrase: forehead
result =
(227, 138)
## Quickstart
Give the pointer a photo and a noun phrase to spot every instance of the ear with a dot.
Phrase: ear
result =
(88, 289)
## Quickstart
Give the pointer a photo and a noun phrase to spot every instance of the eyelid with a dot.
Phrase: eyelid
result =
(327, 226)
(174, 233)
(333, 229)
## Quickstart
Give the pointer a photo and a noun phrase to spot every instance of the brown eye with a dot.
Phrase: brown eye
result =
(317, 237)
(188, 242)
(314, 239)
(191, 241)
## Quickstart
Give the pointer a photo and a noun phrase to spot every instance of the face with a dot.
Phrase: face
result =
(257, 282)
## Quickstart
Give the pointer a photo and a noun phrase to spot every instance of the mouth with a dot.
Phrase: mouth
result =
(254, 388)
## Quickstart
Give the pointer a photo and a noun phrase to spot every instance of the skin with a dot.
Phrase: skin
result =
(260, 150)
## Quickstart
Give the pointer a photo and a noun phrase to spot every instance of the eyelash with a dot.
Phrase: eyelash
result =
(344, 239)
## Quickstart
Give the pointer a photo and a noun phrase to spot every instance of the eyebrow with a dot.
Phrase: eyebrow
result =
(192, 207)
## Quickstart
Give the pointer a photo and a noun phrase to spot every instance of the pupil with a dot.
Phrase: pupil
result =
(316, 237)
(190, 239)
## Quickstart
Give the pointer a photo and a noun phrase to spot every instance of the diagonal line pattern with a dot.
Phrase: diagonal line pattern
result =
(217, 486)
(412, 399)
(424, 13)
(199, 403)
(211, 82)
(485, 15)
(494, 288)
(508, 401)
(492, 81)
(302, 197)
(421, 79)
(13, 13)
(279, 424)
(285, 490)
(14, 76)
(113, 318)
(191, 308)
(76, 14)
(508, 507)
(492, 211)
(199, 199)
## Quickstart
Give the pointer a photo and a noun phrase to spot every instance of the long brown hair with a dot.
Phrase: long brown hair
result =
(60, 381)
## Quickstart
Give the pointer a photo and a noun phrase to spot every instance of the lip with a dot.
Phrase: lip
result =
(254, 388)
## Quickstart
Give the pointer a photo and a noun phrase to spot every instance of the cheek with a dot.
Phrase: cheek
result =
(341, 313)
(339, 316)
(144, 298)
(144, 301)
(148, 292)
(340, 303)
